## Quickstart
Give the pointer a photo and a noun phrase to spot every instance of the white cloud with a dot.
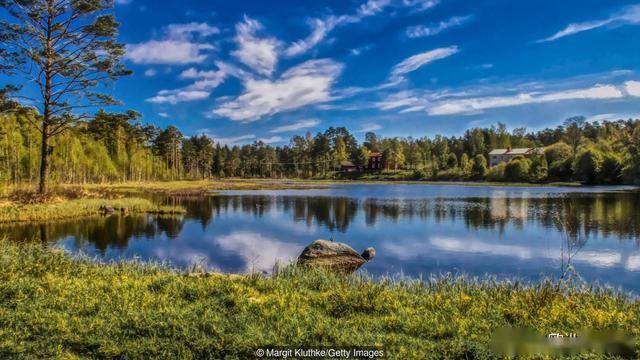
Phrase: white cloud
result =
(423, 31)
(272, 140)
(180, 95)
(167, 52)
(177, 46)
(205, 82)
(411, 109)
(632, 87)
(369, 127)
(372, 7)
(612, 117)
(163, 114)
(305, 84)
(421, 5)
(475, 105)
(628, 16)
(298, 125)
(398, 100)
(182, 31)
(231, 140)
(416, 61)
(150, 72)
(320, 28)
(260, 54)
(359, 50)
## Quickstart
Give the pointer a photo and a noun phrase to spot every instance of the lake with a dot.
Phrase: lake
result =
(508, 232)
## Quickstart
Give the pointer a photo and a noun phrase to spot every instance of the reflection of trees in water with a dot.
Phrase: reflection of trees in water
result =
(569, 222)
(113, 231)
(583, 215)
(590, 213)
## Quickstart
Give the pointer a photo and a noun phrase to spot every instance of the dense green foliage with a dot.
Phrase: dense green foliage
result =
(117, 147)
(68, 51)
(52, 306)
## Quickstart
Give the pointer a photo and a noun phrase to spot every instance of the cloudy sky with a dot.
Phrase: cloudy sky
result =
(246, 70)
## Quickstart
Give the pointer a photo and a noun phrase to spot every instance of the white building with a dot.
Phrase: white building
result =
(498, 156)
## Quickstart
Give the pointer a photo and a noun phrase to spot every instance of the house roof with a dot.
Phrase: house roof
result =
(375, 153)
(516, 151)
(346, 163)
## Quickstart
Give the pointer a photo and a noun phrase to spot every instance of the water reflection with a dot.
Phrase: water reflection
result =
(509, 233)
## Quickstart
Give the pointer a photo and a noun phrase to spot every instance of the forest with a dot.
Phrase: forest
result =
(118, 147)
(69, 51)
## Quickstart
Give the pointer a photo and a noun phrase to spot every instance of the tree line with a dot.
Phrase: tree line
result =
(67, 51)
(118, 147)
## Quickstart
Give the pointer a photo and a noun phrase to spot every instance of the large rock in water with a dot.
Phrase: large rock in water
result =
(334, 255)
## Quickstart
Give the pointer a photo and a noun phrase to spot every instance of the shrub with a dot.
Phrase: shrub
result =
(611, 170)
(479, 167)
(539, 169)
(587, 165)
(496, 173)
(517, 169)
(420, 174)
(558, 152)
(450, 174)
(452, 161)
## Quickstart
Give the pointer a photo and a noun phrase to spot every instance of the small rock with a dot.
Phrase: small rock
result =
(106, 209)
(334, 255)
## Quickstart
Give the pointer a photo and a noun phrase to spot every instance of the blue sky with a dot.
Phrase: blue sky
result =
(247, 70)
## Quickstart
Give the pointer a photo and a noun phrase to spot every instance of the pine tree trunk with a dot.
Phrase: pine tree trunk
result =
(44, 162)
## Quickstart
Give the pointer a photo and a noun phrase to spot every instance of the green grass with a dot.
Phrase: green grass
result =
(56, 306)
(14, 212)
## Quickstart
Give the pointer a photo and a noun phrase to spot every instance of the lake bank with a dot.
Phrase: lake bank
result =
(65, 209)
(21, 203)
(136, 310)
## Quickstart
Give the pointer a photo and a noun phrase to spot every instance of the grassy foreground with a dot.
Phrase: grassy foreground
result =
(56, 306)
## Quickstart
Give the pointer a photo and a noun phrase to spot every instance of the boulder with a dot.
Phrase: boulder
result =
(335, 256)
(106, 209)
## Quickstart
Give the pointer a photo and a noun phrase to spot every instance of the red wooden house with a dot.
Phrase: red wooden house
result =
(375, 161)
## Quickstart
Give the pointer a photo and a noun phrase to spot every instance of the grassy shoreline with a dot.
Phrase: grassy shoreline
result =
(16, 212)
(198, 187)
(70, 200)
(53, 305)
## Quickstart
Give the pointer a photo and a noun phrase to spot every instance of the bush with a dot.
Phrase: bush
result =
(560, 170)
(611, 170)
(479, 167)
(539, 169)
(558, 152)
(450, 174)
(496, 173)
(587, 165)
(517, 169)
(420, 174)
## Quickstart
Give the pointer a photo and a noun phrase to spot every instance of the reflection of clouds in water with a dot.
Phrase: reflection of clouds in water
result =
(481, 247)
(602, 259)
(633, 263)
(599, 259)
(259, 253)
(184, 255)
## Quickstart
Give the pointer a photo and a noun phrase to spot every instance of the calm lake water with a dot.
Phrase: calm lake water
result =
(528, 233)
